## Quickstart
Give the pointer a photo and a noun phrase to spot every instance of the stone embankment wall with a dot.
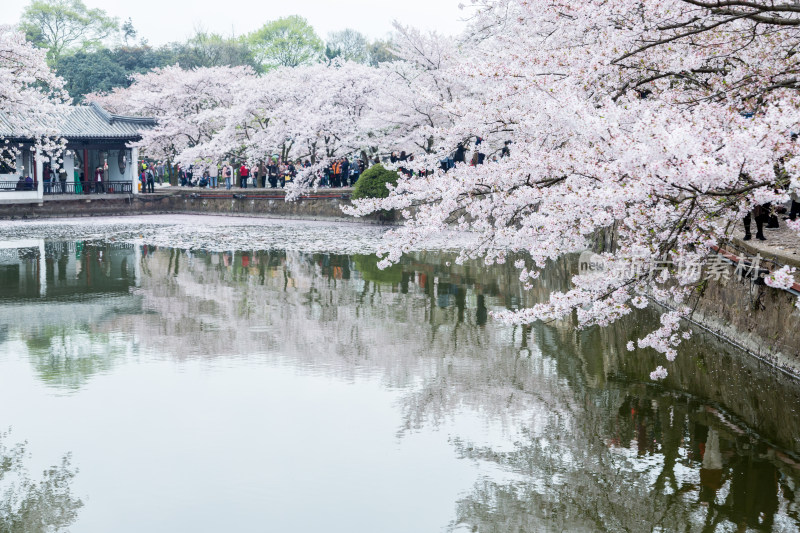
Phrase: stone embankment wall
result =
(758, 318)
(745, 312)
(323, 206)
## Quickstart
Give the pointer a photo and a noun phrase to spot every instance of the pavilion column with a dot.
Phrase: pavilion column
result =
(134, 164)
(69, 165)
(69, 168)
(39, 162)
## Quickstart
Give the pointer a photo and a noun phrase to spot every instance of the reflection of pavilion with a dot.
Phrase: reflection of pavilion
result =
(22, 271)
(38, 269)
(59, 297)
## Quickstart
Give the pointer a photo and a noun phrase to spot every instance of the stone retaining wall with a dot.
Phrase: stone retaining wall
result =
(325, 206)
(758, 318)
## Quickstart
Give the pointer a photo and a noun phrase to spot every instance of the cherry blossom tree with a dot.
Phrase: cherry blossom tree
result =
(416, 89)
(31, 98)
(190, 105)
(314, 112)
(658, 123)
(311, 112)
(652, 126)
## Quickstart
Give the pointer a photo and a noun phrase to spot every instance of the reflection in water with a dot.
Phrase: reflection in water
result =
(588, 442)
(28, 506)
(67, 356)
(82, 285)
(656, 462)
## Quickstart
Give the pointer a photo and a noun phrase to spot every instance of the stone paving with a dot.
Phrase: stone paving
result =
(782, 244)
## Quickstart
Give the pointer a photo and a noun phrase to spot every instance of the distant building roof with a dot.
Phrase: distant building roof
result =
(90, 122)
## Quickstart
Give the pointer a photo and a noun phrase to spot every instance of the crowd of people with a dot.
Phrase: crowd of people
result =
(274, 172)
(271, 173)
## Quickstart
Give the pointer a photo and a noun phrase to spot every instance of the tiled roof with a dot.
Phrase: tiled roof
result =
(91, 122)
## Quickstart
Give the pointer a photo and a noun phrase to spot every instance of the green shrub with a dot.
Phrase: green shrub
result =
(372, 183)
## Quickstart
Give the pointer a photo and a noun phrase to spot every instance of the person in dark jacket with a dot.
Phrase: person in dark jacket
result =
(460, 155)
(263, 172)
(272, 170)
(150, 180)
(98, 180)
(356, 172)
(345, 172)
(326, 176)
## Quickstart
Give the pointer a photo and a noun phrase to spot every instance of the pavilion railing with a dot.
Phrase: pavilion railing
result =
(70, 187)
(88, 187)
(15, 185)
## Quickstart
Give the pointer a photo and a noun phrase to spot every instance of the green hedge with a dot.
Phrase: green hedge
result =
(372, 183)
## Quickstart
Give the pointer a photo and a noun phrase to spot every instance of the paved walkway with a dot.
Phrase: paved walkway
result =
(782, 244)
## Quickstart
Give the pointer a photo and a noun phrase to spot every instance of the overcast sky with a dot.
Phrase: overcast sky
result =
(162, 21)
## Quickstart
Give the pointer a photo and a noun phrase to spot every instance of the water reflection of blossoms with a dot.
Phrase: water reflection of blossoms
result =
(584, 430)
(29, 506)
(656, 462)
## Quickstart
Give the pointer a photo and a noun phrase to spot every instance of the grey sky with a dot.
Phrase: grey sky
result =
(161, 21)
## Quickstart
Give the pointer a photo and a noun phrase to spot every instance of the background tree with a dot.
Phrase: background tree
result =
(191, 105)
(206, 49)
(86, 72)
(380, 51)
(102, 70)
(128, 31)
(422, 80)
(59, 25)
(286, 42)
(348, 44)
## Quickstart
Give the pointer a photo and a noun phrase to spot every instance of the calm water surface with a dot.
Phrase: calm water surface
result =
(180, 389)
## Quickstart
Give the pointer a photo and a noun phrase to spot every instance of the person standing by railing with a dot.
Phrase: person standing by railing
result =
(46, 178)
(283, 170)
(244, 175)
(160, 172)
(213, 175)
(227, 173)
(150, 180)
(76, 179)
(272, 170)
(98, 179)
(263, 172)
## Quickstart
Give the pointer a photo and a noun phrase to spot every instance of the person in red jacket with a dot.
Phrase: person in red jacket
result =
(244, 174)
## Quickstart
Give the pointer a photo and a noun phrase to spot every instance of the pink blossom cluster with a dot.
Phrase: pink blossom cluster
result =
(782, 278)
(659, 374)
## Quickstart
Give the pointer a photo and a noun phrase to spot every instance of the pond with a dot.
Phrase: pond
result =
(214, 374)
